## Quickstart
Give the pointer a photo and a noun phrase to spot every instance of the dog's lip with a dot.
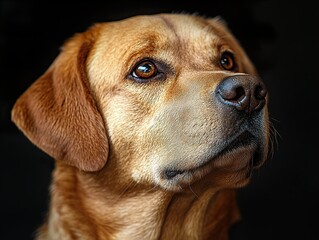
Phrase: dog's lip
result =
(244, 139)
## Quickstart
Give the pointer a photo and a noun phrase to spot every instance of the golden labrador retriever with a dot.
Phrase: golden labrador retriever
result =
(154, 121)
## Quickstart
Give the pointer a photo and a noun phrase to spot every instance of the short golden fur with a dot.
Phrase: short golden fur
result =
(142, 159)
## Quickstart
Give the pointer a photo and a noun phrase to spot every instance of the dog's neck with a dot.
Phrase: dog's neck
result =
(80, 204)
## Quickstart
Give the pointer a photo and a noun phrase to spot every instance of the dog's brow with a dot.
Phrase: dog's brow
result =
(170, 26)
(168, 23)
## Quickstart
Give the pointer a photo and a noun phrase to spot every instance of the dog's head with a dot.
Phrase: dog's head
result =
(169, 99)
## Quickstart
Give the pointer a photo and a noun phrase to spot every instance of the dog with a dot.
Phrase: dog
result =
(153, 121)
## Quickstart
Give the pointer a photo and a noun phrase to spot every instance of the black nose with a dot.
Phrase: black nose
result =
(243, 92)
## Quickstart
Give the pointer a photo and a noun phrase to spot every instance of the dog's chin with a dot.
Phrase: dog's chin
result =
(231, 168)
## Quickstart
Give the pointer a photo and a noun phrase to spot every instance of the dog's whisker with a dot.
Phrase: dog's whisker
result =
(125, 190)
(274, 119)
(151, 189)
(190, 188)
(273, 139)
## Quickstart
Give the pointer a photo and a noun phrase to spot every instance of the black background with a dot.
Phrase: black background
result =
(281, 38)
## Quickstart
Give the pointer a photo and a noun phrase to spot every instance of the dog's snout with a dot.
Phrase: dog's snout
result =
(244, 92)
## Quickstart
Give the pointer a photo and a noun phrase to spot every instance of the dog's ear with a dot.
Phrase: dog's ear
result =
(59, 114)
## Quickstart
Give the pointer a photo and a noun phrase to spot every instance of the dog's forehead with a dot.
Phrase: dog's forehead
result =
(173, 26)
(166, 33)
(162, 31)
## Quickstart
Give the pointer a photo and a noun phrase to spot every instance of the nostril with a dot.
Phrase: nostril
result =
(232, 94)
(240, 94)
(260, 92)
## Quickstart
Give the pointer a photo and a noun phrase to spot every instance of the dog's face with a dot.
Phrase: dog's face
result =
(179, 99)
(160, 89)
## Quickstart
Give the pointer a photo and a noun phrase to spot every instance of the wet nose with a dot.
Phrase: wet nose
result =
(242, 92)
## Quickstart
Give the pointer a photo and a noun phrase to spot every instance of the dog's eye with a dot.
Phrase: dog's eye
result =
(144, 70)
(227, 61)
(147, 70)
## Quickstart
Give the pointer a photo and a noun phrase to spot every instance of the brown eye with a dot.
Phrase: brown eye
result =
(227, 61)
(144, 70)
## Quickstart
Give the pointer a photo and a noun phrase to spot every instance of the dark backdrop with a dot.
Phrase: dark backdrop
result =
(282, 39)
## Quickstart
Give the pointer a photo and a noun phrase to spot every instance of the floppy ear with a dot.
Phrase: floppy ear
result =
(58, 113)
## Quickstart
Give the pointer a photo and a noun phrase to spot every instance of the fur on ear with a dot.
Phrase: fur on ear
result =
(59, 114)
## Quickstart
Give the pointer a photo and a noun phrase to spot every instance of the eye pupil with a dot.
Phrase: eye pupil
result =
(145, 70)
(227, 61)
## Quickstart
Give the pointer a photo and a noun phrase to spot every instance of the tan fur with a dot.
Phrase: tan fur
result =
(112, 138)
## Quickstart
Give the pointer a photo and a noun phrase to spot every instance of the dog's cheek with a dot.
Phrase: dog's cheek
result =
(126, 120)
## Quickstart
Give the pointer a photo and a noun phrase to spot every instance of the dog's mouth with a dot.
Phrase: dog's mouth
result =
(242, 141)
